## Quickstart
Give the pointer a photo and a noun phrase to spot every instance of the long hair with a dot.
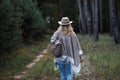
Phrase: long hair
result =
(65, 30)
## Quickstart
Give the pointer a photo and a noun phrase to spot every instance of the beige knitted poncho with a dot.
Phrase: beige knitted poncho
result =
(71, 48)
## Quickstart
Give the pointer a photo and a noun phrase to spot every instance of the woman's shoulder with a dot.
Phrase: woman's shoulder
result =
(56, 32)
(73, 34)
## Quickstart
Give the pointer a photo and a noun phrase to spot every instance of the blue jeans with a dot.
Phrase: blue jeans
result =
(65, 70)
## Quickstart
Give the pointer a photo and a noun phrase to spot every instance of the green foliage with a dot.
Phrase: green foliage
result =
(51, 14)
(54, 10)
(20, 21)
(34, 24)
(10, 31)
(39, 25)
(10, 22)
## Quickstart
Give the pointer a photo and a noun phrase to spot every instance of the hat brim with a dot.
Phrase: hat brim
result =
(59, 22)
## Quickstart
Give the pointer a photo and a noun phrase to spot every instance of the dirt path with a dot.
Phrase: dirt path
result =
(29, 66)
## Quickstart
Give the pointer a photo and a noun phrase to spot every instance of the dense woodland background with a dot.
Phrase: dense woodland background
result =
(25, 21)
(27, 25)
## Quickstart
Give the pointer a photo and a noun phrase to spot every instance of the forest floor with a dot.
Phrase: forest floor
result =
(101, 61)
(83, 75)
(85, 70)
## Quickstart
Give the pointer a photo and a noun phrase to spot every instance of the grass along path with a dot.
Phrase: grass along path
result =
(29, 66)
(22, 56)
(101, 61)
(38, 72)
(85, 70)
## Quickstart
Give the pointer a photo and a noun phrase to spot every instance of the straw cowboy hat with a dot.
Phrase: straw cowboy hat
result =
(65, 21)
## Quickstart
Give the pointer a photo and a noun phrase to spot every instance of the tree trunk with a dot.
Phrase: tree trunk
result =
(100, 4)
(113, 21)
(118, 5)
(93, 13)
(88, 17)
(95, 19)
(79, 12)
(81, 19)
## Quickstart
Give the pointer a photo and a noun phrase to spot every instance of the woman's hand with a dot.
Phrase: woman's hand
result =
(81, 59)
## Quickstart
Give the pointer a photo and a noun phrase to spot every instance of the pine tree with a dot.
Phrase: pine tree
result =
(10, 21)
(34, 23)
(113, 21)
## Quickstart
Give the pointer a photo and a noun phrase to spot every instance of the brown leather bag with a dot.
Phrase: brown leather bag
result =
(57, 49)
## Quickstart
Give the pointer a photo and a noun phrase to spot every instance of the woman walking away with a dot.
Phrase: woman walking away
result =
(70, 61)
